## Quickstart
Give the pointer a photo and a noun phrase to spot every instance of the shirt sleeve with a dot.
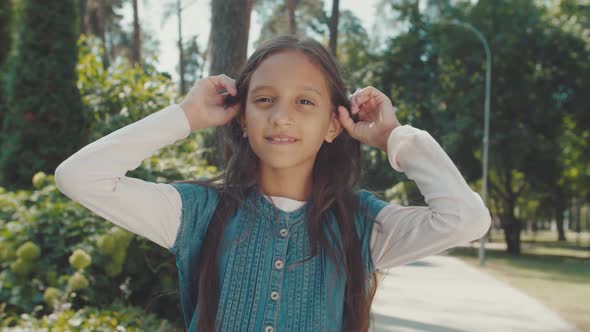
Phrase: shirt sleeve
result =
(95, 177)
(455, 214)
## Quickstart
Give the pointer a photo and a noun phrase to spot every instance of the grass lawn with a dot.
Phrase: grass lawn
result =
(557, 274)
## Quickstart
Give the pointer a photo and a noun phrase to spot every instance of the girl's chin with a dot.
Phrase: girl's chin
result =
(283, 161)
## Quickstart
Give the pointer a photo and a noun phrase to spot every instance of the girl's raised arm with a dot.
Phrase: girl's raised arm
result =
(455, 214)
(95, 175)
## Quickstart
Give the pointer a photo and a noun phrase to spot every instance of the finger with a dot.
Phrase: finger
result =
(228, 83)
(367, 94)
(346, 120)
(358, 98)
(231, 83)
(224, 81)
(352, 100)
(361, 98)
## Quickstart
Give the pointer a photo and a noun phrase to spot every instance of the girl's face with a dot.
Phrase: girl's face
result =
(289, 98)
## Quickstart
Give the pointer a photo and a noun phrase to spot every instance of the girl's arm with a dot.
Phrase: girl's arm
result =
(455, 214)
(95, 177)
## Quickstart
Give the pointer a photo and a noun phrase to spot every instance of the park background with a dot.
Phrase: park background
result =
(75, 70)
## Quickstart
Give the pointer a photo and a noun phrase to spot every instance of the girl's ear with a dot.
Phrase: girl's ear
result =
(334, 128)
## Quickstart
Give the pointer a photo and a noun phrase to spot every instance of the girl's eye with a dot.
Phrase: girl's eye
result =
(261, 99)
(265, 99)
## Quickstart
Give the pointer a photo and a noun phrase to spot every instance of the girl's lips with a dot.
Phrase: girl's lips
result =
(271, 141)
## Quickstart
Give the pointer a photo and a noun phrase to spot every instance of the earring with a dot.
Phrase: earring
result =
(245, 134)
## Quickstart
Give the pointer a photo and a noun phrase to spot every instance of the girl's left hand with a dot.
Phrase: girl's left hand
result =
(376, 115)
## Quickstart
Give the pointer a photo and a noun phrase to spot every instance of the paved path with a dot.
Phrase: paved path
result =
(443, 294)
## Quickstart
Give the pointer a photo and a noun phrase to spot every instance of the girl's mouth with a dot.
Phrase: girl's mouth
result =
(281, 141)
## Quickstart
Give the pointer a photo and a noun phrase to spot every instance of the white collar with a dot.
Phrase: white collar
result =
(284, 203)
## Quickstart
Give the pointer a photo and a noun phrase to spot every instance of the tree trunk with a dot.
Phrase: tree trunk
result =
(334, 26)
(95, 24)
(559, 222)
(180, 50)
(136, 52)
(111, 47)
(227, 51)
(511, 227)
(510, 224)
(230, 25)
(291, 10)
(82, 16)
(576, 215)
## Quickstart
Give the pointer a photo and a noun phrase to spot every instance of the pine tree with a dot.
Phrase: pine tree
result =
(5, 44)
(44, 121)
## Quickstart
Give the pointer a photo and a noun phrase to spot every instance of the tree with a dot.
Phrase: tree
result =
(291, 4)
(334, 26)
(101, 18)
(308, 18)
(228, 38)
(176, 8)
(227, 50)
(435, 72)
(136, 54)
(5, 29)
(193, 62)
(532, 102)
(42, 126)
(5, 45)
(357, 59)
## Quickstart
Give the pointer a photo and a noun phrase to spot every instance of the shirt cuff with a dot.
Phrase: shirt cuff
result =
(398, 138)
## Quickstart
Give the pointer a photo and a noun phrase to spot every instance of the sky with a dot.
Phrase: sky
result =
(196, 20)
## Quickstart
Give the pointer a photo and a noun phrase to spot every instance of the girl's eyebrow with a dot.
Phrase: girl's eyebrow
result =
(305, 87)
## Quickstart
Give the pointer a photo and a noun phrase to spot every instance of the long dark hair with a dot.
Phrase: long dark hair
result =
(331, 192)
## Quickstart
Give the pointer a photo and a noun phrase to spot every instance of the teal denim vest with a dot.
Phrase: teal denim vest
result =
(261, 289)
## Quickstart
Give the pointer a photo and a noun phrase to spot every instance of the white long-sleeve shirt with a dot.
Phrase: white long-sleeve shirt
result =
(95, 177)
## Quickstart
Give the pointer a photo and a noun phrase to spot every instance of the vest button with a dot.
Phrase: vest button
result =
(274, 295)
(279, 264)
(284, 232)
(268, 328)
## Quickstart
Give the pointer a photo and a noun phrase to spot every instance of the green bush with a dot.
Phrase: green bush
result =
(52, 249)
(117, 317)
(121, 94)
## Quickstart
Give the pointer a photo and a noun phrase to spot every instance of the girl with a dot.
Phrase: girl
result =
(285, 242)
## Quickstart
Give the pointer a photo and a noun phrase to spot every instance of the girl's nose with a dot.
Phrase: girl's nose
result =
(281, 115)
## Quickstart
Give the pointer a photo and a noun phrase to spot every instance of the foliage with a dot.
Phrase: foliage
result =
(311, 19)
(119, 95)
(355, 56)
(436, 72)
(194, 62)
(54, 254)
(117, 317)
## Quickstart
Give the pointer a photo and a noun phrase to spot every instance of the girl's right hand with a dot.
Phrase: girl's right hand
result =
(204, 103)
